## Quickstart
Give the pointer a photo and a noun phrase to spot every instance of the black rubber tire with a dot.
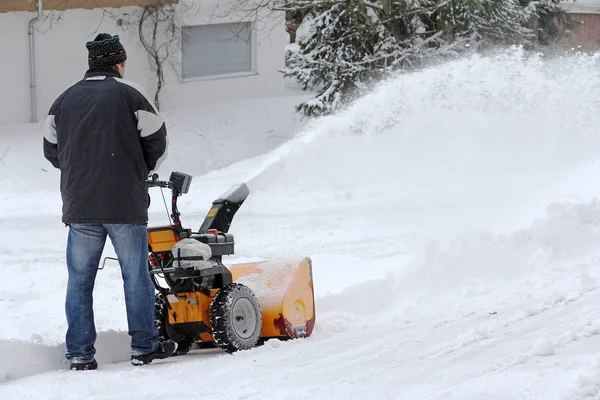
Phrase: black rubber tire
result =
(165, 331)
(222, 318)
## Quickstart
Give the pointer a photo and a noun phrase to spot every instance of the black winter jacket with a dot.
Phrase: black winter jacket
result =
(105, 136)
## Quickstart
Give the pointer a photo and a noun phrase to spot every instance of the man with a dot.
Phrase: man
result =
(106, 136)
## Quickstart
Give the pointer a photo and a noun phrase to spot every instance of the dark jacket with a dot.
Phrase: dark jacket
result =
(105, 136)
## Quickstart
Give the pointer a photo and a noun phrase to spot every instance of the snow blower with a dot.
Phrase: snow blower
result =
(207, 303)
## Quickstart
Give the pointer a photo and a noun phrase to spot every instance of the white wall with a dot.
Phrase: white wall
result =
(14, 69)
(61, 59)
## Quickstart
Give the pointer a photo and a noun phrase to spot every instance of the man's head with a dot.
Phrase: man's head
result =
(106, 52)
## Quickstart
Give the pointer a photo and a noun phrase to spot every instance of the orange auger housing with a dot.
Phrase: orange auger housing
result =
(285, 291)
(201, 301)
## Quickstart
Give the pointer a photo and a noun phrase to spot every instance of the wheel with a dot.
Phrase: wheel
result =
(165, 331)
(235, 318)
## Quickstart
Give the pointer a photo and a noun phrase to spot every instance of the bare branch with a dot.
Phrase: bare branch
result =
(159, 30)
(4, 155)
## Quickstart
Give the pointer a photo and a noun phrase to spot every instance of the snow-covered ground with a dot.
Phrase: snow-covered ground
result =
(451, 215)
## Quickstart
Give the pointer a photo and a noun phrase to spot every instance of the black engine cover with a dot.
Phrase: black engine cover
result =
(221, 244)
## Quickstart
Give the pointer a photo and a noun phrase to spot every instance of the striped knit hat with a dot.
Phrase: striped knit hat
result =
(105, 50)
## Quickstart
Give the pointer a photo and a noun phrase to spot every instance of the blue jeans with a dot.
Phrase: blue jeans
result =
(84, 250)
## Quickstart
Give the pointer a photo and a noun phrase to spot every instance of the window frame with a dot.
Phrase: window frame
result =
(253, 53)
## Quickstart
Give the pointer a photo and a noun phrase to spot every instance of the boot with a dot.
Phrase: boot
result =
(85, 366)
(165, 349)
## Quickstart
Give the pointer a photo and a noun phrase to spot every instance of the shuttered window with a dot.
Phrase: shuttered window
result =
(219, 49)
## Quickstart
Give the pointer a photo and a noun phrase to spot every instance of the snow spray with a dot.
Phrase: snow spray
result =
(474, 138)
(304, 137)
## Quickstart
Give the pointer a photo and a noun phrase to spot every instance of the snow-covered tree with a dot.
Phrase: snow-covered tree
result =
(546, 17)
(354, 43)
(333, 57)
(483, 21)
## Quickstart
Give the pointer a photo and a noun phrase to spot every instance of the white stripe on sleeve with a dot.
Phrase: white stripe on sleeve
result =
(148, 123)
(50, 130)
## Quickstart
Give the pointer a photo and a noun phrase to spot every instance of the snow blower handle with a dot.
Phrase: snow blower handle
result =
(154, 182)
(179, 184)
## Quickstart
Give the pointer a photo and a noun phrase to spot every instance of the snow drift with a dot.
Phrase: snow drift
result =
(24, 358)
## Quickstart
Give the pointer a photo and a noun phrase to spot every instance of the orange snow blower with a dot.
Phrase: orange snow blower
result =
(206, 303)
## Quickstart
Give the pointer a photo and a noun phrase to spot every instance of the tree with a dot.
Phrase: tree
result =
(355, 43)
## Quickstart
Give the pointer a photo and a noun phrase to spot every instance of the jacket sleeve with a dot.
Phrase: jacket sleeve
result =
(153, 136)
(152, 129)
(50, 143)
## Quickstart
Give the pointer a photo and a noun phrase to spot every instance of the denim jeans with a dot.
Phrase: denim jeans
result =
(84, 249)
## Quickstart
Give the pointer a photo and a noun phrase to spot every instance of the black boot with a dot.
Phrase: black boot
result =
(165, 349)
(85, 366)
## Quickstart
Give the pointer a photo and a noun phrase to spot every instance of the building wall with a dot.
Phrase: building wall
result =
(32, 5)
(61, 59)
(586, 36)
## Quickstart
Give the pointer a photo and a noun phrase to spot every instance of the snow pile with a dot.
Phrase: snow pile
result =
(24, 358)
(553, 262)
(556, 252)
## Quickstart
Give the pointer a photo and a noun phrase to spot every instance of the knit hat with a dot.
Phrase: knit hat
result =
(105, 50)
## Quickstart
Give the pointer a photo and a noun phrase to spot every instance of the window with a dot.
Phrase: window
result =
(218, 49)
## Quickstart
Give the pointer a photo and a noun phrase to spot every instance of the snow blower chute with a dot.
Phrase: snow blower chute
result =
(233, 307)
